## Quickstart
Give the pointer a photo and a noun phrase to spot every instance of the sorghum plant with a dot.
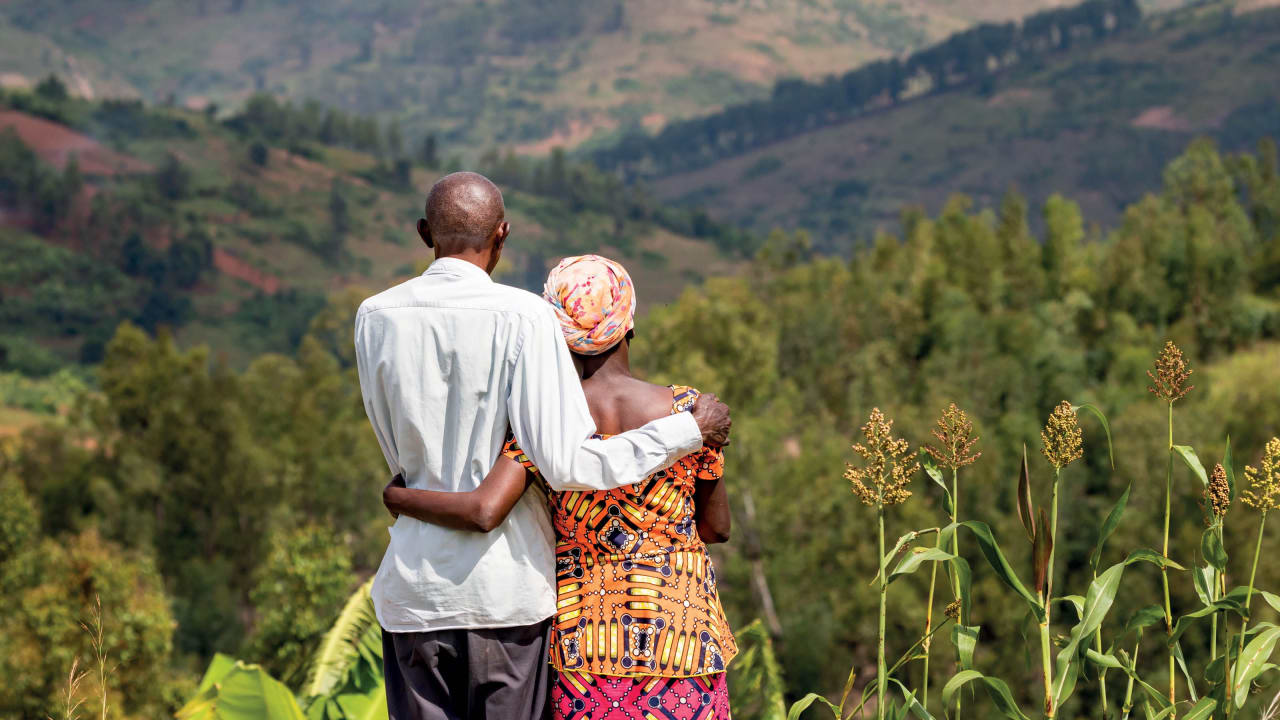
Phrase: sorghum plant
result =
(1062, 445)
(881, 482)
(954, 433)
(1263, 494)
(1169, 383)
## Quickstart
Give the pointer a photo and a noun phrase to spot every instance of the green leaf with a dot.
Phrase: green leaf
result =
(243, 692)
(916, 558)
(1110, 661)
(936, 476)
(1153, 557)
(991, 550)
(965, 640)
(1189, 457)
(1186, 621)
(1272, 600)
(1201, 577)
(354, 640)
(1212, 550)
(965, 575)
(1106, 427)
(1075, 601)
(1253, 661)
(218, 669)
(1109, 526)
(1182, 665)
(1001, 697)
(1026, 507)
(803, 704)
(910, 701)
(1146, 617)
(1098, 602)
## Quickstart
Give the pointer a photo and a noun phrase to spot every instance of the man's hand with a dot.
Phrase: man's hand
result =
(713, 419)
(388, 493)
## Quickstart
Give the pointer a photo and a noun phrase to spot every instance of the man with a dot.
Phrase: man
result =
(447, 361)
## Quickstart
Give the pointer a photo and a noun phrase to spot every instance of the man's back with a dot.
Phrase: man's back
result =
(436, 356)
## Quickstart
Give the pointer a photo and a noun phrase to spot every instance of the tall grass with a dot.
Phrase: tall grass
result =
(1082, 656)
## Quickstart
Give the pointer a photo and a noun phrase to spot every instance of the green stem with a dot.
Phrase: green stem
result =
(1128, 693)
(1053, 545)
(1046, 667)
(1253, 574)
(1102, 674)
(1164, 570)
(902, 660)
(955, 550)
(928, 625)
(881, 675)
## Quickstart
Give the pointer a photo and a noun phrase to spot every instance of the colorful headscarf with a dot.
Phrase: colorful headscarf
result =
(595, 301)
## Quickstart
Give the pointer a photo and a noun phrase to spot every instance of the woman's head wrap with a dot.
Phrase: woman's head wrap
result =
(595, 301)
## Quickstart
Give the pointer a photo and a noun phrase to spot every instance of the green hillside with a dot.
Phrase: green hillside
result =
(530, 74)
(1096, 122)
(232, 233)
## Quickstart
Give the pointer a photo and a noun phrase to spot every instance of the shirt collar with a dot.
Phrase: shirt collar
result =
(459, 268)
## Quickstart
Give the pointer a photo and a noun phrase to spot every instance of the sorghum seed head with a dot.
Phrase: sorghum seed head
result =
(955, 438)
(887, 466)
(953, 610)
(1217, 495)
(1171, 374)
(1062, 437)
(1264, 485)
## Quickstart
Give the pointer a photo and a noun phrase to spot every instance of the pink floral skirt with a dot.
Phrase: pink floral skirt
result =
(583, 696)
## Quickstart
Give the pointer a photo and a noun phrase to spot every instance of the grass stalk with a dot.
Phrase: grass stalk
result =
(928, 626)
(1253, 574)
(1128, 693)
(1164, 570)
(881, 676)
(955, 550)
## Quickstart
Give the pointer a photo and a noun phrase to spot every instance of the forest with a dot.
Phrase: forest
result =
(211, 509)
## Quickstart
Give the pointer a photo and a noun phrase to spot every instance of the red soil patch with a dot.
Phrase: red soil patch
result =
(55, 144)
(1160, 117)
(229, 264)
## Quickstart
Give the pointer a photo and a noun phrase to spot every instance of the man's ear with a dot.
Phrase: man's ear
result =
(500, 235)
(424, 232)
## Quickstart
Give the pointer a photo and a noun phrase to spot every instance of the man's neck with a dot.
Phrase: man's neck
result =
(479, 258)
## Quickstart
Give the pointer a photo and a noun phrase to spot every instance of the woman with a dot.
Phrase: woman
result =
(639, 626)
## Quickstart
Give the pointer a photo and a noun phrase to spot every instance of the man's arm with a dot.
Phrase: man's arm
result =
(549, 416)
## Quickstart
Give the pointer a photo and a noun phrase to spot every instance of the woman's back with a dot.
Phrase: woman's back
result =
(637, 591)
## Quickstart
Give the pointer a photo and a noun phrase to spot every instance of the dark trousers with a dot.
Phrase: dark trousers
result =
(489, 674)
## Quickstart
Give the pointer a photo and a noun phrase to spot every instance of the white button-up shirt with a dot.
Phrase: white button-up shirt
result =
(447, 360)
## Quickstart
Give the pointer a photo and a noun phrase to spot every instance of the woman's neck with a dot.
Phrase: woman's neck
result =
(611, 365)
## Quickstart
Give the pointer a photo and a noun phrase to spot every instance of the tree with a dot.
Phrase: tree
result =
(299, 589)
(259, 154)
(429, 155)
(173, 180)
(52, 89)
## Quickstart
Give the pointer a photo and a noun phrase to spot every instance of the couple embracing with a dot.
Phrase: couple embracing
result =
(548, 557)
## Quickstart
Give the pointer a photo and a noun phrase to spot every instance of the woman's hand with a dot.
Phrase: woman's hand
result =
(388, 495)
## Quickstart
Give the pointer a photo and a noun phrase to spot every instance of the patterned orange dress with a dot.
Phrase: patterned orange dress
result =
(638, 618)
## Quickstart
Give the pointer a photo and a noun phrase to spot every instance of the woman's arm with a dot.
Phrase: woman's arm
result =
(480, 510)
(711, 499)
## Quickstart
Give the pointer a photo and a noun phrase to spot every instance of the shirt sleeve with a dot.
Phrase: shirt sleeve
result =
(549, 417)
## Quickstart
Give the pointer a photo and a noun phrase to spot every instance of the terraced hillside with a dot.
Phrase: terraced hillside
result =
(1096, 123)
(510, 72)
(113, 211)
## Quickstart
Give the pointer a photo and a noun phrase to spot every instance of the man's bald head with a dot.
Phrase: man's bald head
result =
(465, 213)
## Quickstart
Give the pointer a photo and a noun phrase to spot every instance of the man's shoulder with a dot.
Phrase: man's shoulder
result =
(419, 292)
